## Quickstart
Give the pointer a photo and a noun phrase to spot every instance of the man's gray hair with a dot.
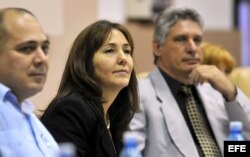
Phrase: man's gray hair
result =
(166, 19)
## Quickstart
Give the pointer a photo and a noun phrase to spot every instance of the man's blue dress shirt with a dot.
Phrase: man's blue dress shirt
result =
(21, 132)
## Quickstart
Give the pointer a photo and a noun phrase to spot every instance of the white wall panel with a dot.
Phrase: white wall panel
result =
(218, 14)
(111, 10)
(48, 12)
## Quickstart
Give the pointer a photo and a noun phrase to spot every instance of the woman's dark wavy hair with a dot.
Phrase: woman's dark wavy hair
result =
(79, 76)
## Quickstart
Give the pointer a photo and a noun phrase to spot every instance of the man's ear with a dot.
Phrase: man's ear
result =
(156, 48)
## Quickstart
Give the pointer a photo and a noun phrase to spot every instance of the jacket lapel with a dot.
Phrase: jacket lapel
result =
(206, 92)
(174, 119)
(107, 144)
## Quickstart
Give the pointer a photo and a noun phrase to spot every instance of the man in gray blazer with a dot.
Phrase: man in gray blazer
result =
(163, 126)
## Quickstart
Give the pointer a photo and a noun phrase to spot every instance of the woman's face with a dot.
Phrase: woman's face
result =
(113, 62)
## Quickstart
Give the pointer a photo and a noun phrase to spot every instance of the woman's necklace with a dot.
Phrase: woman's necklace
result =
(107, 121)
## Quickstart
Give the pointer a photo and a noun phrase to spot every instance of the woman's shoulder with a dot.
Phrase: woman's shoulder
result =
(71, 103)
(72, 111)
(72, 99)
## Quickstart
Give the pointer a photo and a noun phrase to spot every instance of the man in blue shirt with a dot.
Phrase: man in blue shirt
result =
(23, 70)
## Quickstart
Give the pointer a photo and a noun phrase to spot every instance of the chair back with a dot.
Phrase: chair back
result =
(240, 76)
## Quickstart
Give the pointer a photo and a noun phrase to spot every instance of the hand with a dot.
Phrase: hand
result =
(218, 79)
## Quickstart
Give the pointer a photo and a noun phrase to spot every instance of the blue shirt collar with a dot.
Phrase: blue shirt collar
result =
(6, 94)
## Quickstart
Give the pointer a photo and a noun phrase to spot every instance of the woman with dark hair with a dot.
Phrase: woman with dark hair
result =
(97, 96)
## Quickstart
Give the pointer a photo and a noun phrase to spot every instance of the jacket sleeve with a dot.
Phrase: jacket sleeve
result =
(67, 124)
(239, 110)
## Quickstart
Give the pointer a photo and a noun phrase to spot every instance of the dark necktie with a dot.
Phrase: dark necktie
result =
(205, 139)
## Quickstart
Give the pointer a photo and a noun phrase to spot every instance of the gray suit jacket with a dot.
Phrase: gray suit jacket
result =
(161, 127)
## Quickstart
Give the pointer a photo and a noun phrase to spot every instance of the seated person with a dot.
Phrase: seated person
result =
(23, 70)
(97, 96)
(185, 106)
(217, 55)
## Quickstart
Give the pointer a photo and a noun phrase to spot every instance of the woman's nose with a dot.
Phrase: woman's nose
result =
(122, 57)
